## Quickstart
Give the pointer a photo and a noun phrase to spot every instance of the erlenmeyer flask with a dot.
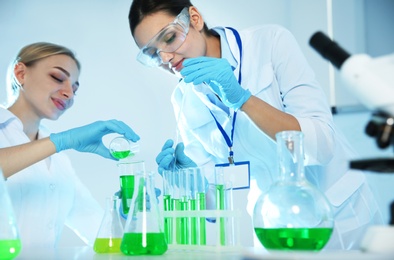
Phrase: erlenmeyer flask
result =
(292, 214)
(143, 233)
(110, 232)
(10, 243)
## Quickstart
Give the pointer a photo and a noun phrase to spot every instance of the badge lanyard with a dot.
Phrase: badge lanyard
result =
(230, 140)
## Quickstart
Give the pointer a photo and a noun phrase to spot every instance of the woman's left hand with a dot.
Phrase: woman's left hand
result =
(219, 75)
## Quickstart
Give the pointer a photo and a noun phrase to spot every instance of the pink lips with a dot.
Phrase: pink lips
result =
(178, 66)
(60, 104)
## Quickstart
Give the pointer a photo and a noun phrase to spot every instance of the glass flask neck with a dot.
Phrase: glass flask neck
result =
(290, 151)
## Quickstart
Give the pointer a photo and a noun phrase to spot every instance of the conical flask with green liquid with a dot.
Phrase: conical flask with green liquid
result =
(143, 232)
(110, 232)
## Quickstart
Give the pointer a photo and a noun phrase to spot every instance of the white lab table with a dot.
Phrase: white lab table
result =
(244, 253)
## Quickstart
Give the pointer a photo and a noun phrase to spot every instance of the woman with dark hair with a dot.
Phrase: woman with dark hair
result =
(237, 89)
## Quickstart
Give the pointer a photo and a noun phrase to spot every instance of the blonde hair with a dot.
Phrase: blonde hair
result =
(29, 55)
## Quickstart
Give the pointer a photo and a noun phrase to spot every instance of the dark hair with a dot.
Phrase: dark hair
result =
(141, 8)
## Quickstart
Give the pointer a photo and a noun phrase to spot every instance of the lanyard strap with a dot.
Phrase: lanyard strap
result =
(230, 140)
(239, 43)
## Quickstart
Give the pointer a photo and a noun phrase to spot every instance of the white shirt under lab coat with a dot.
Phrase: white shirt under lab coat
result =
(275, 70)
(47, 195)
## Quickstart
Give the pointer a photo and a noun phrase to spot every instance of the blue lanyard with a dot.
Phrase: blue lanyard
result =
(229, 140)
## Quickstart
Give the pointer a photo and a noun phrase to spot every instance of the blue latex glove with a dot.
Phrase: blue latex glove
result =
(219, 75)
(88, 138)
(165, 160)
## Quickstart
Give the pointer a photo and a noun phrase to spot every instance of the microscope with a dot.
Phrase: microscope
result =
(371, 80)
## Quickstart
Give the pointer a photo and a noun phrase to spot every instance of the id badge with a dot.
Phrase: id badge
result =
(238, 174)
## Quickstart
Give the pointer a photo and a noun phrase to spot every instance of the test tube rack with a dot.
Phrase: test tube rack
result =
(221, 230)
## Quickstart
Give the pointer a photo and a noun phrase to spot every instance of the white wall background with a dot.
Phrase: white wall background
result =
(114, 85)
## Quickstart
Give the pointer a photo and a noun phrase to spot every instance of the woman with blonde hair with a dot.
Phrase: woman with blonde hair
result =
(45, 191)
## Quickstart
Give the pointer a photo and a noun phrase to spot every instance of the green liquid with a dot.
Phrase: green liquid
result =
(127, 189)
(9, 248)
(121, 154)
(220, 205)
(197, 224)
(176, 205)
(181, 223)
(143, 244)
(294, 238)
(201, 205)
(168, 221)
(193, 223)
(185, 239)
(107, 245)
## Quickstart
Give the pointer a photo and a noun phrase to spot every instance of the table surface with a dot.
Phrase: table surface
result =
(240, 253)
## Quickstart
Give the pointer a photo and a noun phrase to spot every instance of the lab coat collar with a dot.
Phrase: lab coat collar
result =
(7, 117)
(229, 47)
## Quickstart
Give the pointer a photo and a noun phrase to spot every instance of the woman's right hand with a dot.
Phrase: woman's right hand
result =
(88, 138)
(170, 156)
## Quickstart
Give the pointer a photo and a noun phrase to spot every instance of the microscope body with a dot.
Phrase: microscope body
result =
(371, 80)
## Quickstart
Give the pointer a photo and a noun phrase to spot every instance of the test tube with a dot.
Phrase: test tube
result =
(197, 202)
(223, 202)
(175, 205)
(185, 194)
(168, 191)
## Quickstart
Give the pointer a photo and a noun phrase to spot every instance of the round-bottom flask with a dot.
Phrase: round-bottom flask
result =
(293, 214)
(122, 148)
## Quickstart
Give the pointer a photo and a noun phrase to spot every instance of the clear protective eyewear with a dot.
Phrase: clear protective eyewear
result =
(169, 39)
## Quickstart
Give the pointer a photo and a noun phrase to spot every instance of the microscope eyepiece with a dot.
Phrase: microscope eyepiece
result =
(329, 49)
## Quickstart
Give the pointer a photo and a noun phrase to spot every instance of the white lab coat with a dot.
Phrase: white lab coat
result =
(47, 195)
(275, 70)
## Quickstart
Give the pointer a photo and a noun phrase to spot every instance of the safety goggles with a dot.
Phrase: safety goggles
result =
(169, 39)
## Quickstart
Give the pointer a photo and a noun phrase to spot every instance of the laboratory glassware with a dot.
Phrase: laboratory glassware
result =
(293, 214)
(197, 202)
(127, 172)
(143, 232)
(122, 148)
(184, 205)
(224, 201)
(168, 194)
(110, 233)
(10, 243)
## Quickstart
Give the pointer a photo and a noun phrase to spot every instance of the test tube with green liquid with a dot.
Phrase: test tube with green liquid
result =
(168, 191)
(223, 202)
(220, 205)
(185, 194)
(197, 202)
(176, 233)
